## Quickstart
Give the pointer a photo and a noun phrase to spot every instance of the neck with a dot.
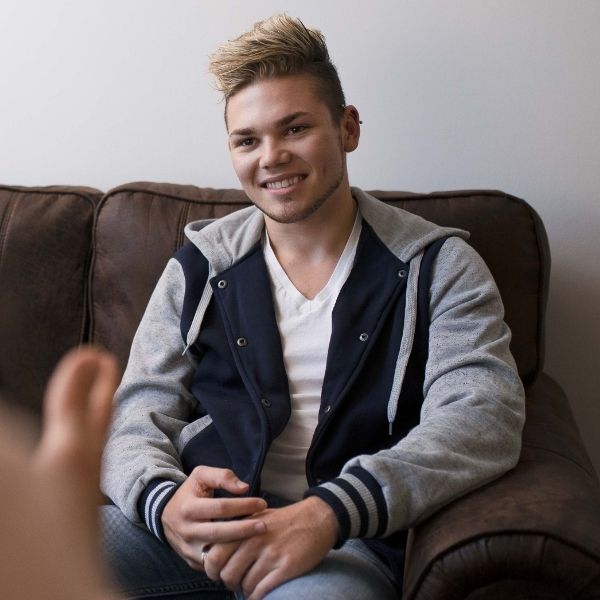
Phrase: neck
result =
(322, 235)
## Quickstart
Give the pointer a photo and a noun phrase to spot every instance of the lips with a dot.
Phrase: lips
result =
(281, 184)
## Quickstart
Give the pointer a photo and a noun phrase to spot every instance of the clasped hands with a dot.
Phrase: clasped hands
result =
(250, 548)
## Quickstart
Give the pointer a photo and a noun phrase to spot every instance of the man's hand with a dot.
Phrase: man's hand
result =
(193, 519)
(296, 540)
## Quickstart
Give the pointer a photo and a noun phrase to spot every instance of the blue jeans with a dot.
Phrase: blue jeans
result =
(143, 567)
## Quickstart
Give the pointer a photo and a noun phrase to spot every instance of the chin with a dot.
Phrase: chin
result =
(292, 216)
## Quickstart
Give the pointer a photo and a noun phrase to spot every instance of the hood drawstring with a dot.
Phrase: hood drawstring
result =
(194, 329)
(408, 336)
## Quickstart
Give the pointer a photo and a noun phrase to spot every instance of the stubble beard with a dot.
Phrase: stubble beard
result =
(309, 210)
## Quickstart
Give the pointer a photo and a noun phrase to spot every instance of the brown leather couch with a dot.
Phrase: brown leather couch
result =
(77, 265)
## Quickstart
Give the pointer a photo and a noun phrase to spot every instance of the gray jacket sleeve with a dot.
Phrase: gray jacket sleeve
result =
(471, 419)
(153, 402)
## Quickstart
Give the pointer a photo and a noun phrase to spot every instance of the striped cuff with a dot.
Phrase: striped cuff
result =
(152, 503)
(358, 502)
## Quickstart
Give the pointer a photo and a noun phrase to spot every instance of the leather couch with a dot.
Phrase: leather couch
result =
(77, 265)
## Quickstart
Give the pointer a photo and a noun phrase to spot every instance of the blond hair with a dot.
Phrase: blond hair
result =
(277, 47)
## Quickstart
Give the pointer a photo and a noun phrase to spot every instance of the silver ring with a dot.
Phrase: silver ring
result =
(203, 556)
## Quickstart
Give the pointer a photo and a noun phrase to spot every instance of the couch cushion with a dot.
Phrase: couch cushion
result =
(140, 225)
(45, 248)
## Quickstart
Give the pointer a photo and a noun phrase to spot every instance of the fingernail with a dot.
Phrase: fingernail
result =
(241, 484)
(260, 527)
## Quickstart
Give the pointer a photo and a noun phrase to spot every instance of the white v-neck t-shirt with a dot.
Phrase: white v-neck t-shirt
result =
(305, 330)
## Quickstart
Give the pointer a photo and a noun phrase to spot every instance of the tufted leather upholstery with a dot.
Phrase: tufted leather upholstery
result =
(76, 265)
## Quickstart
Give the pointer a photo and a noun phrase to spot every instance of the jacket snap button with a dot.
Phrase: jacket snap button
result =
(363, 337)
(242, 342)
(319, 480)
(222, 284)
(265, 402)
(402, 273)
(328, 408)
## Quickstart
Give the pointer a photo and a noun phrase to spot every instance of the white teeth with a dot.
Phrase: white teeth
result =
(283, 183)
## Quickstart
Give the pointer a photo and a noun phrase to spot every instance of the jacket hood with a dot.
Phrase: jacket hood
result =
(404, 233)
(225, 240)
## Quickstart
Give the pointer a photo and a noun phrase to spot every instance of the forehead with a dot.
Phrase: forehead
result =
(266, 101)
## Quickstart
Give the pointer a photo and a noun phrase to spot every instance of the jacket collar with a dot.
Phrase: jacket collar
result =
(225, 240)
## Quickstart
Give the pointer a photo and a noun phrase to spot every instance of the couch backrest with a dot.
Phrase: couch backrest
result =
(45, 251)
(139, 226)
(54, 294)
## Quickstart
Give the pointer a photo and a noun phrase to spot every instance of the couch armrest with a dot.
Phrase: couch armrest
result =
(533, 533)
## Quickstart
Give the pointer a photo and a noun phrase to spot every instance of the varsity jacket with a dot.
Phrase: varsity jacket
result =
(421, 401)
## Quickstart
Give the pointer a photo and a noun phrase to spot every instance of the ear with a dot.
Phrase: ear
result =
(350, 127)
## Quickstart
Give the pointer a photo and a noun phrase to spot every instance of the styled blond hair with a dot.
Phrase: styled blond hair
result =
(276, 47)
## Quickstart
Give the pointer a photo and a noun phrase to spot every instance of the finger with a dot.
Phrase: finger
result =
(217, 558)
(78, 402)
(221, 479)
(193, 562)
(84, 378)
(213, 532)
(234, 571)
(101, 395)
(260, 569)
(69, 386)
(66, 407)
(201, 509)
(267, 584)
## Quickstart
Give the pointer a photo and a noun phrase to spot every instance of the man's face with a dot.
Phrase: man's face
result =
(286, 150)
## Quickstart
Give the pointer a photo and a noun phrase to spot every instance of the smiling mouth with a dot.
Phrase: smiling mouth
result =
(284, 183)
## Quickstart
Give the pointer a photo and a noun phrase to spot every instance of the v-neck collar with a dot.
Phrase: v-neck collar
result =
(336, 280)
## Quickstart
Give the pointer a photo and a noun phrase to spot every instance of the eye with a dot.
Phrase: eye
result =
(295, 129)
(245, 142)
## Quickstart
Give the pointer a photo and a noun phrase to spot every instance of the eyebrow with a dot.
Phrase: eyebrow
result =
(280, 123)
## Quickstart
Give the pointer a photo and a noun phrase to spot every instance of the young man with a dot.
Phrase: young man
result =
(313, 375)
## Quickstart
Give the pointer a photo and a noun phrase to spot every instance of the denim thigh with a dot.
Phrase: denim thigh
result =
(143, 567)
(353, 572)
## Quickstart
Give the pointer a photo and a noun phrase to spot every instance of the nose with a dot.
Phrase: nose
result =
(273, 154)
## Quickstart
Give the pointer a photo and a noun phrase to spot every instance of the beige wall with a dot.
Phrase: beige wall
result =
(453, 94)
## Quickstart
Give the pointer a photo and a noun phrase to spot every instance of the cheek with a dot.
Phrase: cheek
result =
(330, 157)
(242, 167)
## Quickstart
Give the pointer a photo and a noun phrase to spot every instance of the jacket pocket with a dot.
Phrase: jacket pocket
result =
(192, 430)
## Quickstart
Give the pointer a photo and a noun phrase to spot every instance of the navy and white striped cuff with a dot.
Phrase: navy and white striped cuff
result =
(152, 503)
(358, 502)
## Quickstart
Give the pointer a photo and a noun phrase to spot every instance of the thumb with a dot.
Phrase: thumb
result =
(213, 478)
